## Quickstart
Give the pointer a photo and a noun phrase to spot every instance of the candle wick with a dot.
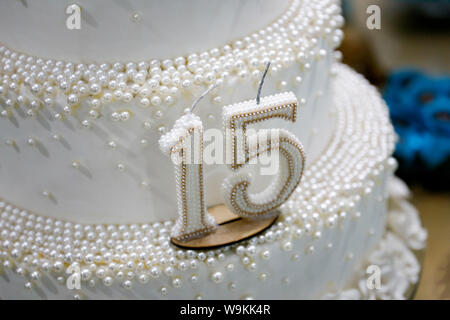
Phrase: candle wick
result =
(194, 104)
(258, 96)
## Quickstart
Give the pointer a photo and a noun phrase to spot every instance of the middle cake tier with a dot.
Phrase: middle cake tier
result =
(331, 222)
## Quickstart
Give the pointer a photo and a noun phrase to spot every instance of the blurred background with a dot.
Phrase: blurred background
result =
(408, 59)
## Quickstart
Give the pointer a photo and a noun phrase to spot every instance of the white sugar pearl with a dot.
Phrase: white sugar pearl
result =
(127, 284)
(193, 264)
(252, 267)
(155, 272)
(147, 125)
(144, 102)
(176, 282)
(211, 261)
(4, 114)
(72, 99)
(93, 114)
(46, 193)
(112, 144)
(75, 164)
(169, 271)
(262, 276)
(115, 116)
(31, 141)
(162, 129)
(35, 275)
(183, 266)
(265, 254)
(158, 114)
(108, 281)
(251, 250)
(331, 222)
(287, 246)
(125, 115)
(217, 277)
(230, 267)
(169, 100)
(186, 84)
(143, 278)
(298, 233)
(156, 100)
(86, 123)
(309, 249)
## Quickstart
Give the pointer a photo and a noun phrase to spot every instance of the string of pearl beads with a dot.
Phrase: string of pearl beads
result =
(297, 36)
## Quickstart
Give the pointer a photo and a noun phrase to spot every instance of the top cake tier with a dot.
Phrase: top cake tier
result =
(79, 140)
(131, 30)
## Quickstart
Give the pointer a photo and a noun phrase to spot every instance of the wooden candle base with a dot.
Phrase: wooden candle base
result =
(231, 229)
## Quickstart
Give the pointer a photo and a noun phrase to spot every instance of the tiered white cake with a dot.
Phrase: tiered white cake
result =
(84, 185)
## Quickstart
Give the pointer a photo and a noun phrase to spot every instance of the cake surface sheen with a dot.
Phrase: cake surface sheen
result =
(84, 186)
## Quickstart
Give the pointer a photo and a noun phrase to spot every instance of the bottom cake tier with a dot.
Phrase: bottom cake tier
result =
(348, 213)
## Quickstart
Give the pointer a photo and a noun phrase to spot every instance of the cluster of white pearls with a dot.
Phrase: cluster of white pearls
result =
(332, 187)
(121, 116)
(297, 36)
(352, 163)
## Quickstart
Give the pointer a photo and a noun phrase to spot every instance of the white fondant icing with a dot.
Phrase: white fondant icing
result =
(166, 29)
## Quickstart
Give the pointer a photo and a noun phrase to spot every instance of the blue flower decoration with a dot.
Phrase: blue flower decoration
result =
(420, 110)
(437, 116)
(397, 98)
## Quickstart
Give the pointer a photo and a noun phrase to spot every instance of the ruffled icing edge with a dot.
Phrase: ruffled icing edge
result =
(398, 265)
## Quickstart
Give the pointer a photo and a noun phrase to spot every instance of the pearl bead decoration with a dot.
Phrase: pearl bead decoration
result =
(75, 164)
(296, 36)
(217, 277)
